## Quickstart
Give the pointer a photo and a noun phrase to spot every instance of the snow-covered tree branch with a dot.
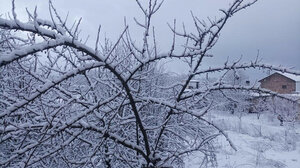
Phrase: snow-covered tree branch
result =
(64, 103)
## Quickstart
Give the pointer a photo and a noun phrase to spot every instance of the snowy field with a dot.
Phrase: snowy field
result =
(260, 143)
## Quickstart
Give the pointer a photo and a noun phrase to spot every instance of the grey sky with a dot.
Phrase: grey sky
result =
(271, 26)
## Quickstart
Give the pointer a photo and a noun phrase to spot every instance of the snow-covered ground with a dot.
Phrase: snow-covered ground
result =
(260, 143)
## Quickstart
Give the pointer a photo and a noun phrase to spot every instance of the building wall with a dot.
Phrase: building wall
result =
(298, 86)
(279, 83)
(193, 85)
(298, 110)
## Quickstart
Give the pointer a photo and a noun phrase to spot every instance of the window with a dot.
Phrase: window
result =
(284, 86)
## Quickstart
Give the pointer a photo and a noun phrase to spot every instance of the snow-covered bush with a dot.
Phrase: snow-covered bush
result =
(277, 106)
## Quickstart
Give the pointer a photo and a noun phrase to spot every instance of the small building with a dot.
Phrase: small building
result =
(194, 84)
(281, 83)
(284, 84)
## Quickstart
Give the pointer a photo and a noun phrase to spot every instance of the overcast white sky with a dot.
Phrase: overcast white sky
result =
(271, 26)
